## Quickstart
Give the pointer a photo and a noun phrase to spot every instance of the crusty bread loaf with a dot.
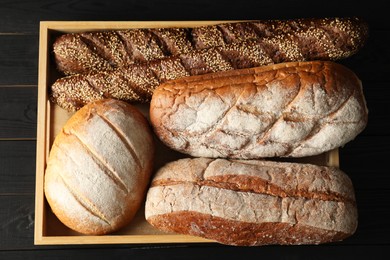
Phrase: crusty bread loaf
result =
(334, 37)
(99, 167)
(137, 81)
(290, 110)
(251, 203)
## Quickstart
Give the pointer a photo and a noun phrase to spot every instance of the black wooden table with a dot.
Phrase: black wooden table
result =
(364, 159)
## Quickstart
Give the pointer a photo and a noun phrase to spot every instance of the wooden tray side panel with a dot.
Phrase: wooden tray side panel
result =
(41, 134)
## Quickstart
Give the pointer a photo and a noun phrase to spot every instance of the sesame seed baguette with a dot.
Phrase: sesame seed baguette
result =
(136, 82)
(106, 50)
(252, 203)
(291, 109)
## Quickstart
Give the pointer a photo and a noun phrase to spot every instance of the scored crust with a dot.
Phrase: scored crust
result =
(99, 167)
(291, 109)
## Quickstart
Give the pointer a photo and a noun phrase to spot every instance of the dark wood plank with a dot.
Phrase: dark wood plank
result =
(17, 167)
(25, 17)
(19, 59)
(206, 252)
(18, 112)
(16, 221)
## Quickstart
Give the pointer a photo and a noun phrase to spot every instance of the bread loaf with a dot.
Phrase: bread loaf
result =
(333, 37)
(137, 81)
(99, 167)
(252, 203)
(286, 110)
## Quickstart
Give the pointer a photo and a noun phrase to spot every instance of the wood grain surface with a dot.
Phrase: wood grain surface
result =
(364, 159)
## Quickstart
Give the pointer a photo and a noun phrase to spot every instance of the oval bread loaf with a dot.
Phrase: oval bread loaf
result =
(99, 167)
(252, 203)
(292, 109)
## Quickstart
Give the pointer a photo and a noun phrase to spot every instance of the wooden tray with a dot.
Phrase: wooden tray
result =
(48, 229)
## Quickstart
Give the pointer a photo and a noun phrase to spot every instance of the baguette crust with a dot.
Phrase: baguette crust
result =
(99, 167)
(251, 203)
(283, 110)
(331, 39)
(106, 50)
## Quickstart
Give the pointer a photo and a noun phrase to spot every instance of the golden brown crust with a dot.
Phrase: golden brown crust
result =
(99, 167)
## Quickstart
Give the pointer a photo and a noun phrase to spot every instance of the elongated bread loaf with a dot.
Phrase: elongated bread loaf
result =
(334, 37)
(251, 203)
(290, 110)
(99, 167)
(137, 81)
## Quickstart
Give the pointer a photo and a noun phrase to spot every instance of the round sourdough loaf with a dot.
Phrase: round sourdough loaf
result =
(99, 167)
